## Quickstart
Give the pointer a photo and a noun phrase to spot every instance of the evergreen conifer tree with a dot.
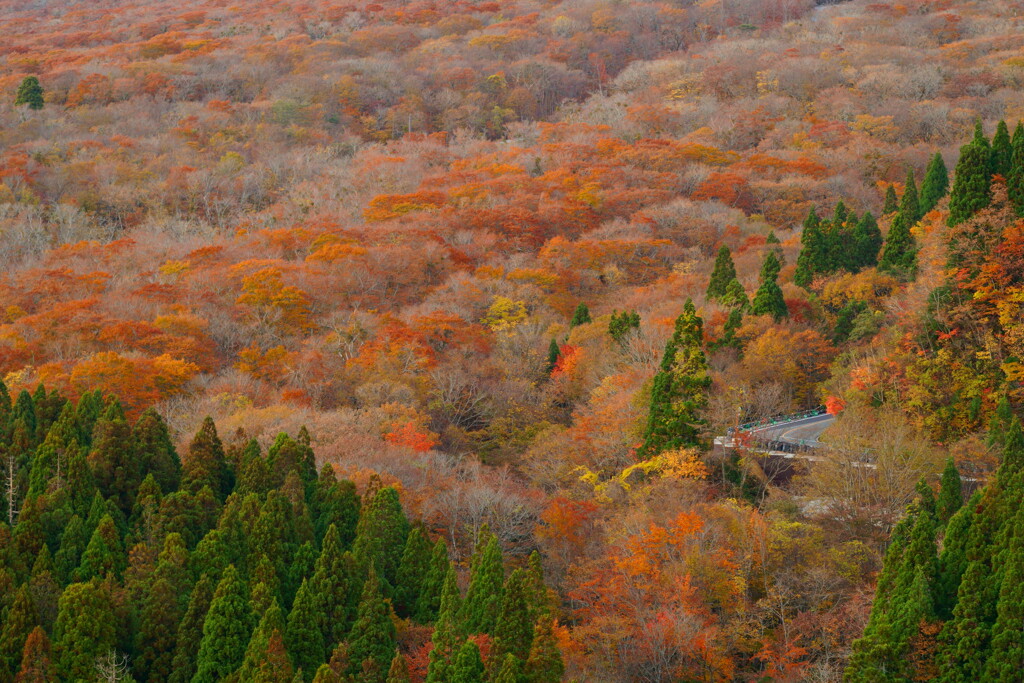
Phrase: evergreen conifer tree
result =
(554, 353)
(266, 659)
(891, 204)
(381, 535)
(429, 601)
(768, 299)
(372, 639)
(1015, 176)
(190, 631)
(206, 464)
(722, 274)
(899, 255)
(29, 93)
(679, 392)
(867, 242)
(446, 633)
(735, 297)
(1002, 150)
(910, 204)
(226, 630)
(19, 621)
(469, 668)
(412, 570)
(487, 577)
(36, 659)
(510, 670)
(935, 184)
(812, 258)
(513, 632)
(85, 629)
(156, 451)
(398, 672)
(544, 664)
(950, 492)
(581, 316)
(972, 182)
(304, 637)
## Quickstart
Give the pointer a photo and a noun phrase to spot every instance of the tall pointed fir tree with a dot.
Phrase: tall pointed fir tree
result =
(398, 672)
(951, 496)
(429, 601)
(722, 274)
(85, 630)
(544, 664)
(899, 255)
(811, 260)
(867, 242)
(190, 631)
(381, 535)
(226, 630)
(768, 299)
(469, 667)
(206, 464)
(266, 658)
(972, 181)
(1002, 150)
(372, 639)
(1015, 176)
(581, 316)
(891, 203)
(935, 184)
(483, 599)
(554, 353)
(446, 633)
(679, 391)
(36, 659)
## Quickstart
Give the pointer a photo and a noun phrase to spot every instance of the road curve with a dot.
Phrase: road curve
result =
(803, 432)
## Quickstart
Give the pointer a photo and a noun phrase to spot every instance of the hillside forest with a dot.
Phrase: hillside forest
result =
(387, 342)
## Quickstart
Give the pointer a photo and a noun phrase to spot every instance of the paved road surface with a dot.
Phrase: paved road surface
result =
(805, 431)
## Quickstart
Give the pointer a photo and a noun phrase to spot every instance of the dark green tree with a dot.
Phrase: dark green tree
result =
(226, 630)
(1002, 150)
(335, 502)
(380, 537)
(867, 241)
(891, 203)
(304, 634)
(899, 256)
(935, 184)
(581, 316)
(1015, 176)
(266, 659)
(30, 93)
(972, 182)
(813, 252)
(723, 273)
(951, 496)
(487, 578)
(104, 556)
(411, 571)
(509, 671)
(155, 450)
(554, 353)
(621, 324)
(469, 667)
(86, 628)
(768, 299)
(735, 297)
(446, 633)
(513, 632)
(910, 204)
(190, 632)
(679, 392)
(206, 464)
(429, 601)
(18, 623)
(372, 639)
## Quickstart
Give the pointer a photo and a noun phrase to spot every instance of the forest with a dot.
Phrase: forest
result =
(390, 341)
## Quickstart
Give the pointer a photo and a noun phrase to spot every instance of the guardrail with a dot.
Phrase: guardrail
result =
(778, 420)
